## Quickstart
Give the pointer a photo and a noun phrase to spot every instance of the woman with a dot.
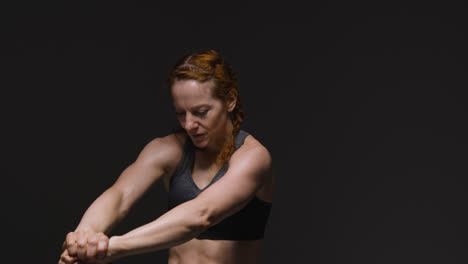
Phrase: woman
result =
(219, 179)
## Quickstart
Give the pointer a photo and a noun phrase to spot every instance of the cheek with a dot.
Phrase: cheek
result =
(214, 120)
(221, 119)
(180, 120)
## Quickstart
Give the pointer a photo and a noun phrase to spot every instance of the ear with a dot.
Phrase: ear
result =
(231, 100)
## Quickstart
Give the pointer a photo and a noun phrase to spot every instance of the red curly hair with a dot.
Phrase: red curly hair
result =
(206, 65)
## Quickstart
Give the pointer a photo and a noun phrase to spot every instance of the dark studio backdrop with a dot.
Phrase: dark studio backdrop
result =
(361, 106)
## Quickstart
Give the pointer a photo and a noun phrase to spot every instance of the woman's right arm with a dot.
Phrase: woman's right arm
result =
(155, 161)
(109, 208)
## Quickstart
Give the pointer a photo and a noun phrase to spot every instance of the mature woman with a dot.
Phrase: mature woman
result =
(219, 180)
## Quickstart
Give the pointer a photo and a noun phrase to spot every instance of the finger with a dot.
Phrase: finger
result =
(81, 240)
(91, 246)
(65, 258)
(71, 244)
(102, 246)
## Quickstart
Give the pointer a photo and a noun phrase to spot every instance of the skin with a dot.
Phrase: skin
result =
(199, 113)
(249, 174)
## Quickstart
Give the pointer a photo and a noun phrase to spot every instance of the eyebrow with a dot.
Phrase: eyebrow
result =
(198, 106)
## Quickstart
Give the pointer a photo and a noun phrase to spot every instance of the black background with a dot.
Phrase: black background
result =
(360, 104)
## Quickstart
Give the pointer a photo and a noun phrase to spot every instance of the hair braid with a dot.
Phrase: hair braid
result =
(228, 149)
(208, 65)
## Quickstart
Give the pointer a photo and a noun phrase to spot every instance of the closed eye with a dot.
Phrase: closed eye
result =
(198, 113)
(201, 113)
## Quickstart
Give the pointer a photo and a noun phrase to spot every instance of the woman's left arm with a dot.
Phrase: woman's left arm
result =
(248, 169)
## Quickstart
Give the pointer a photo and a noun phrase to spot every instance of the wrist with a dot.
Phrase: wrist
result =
(115, 249)
(80, 228)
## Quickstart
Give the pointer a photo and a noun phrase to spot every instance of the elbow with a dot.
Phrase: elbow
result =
(206, 219)
(203, 221)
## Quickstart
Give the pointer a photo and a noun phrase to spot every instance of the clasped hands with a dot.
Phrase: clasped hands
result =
(85, 247)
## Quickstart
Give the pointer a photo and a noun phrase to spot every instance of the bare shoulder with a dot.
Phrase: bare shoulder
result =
(251, 144)
(164, 151)
(254, 153)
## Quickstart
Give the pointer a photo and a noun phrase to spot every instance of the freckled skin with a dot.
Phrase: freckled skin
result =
(200, 113)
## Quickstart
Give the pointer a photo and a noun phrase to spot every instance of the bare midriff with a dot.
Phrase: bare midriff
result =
(207, 251)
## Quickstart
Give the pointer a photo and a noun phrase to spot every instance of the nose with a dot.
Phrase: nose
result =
(190, 122)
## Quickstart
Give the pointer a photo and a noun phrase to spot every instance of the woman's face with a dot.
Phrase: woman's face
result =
(204, 117)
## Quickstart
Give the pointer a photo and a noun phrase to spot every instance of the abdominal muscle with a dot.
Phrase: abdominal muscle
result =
(208, 251)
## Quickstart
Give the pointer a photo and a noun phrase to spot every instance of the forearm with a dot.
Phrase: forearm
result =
(104, 213)
(177, 226)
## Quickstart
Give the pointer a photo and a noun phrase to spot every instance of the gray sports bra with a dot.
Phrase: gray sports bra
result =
(246, 224)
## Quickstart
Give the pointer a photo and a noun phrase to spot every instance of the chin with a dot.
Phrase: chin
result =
(199, 144)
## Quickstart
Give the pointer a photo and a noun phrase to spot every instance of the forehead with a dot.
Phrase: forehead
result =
(190, 93)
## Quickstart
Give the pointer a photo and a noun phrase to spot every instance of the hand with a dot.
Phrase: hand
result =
(65, 258)
(86, 247)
